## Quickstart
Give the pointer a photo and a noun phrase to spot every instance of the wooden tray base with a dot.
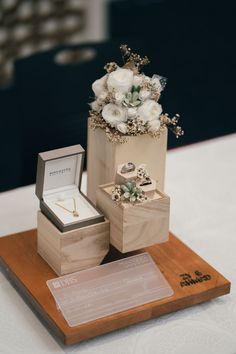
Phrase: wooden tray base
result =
(192, 279)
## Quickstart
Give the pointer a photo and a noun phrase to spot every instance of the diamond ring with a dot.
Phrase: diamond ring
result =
(128, 167)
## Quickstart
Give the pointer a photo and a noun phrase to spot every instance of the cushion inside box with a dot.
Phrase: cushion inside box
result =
(65, 197)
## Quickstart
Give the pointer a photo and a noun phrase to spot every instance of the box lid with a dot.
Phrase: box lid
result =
(59, 168)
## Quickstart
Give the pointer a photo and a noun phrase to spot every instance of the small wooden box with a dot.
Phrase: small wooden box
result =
(133, 227)
(74, 250)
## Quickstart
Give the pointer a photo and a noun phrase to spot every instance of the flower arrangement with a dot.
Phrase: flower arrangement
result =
(143, 176)
(128, 192)
(126, 101)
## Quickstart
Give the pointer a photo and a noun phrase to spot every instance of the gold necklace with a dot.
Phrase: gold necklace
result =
(74, 212)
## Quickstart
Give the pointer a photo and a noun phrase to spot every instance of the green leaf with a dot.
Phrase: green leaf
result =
(135, 88)
(135, 96)
(129, 185)
(124, 188)
(136, 103)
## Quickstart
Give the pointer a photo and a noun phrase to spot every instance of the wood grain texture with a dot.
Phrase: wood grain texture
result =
(135, 226)
(104, 157)
(74, 250)
(29, 273)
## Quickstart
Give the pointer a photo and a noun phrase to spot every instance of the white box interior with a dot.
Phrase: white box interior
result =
(61, 180)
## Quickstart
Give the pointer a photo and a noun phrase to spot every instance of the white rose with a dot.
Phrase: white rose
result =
(138, 79)
(149, 110)
(103, 95)
(132, 112)
(146, 79)
(113, 114)
(156, 82)
(119, 97)
(154, 125)
(120, 80)
(95, 106)
(122, 127)
(144, 94)
(99, 85)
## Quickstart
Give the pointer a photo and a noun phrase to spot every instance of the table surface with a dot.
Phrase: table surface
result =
(200, 180)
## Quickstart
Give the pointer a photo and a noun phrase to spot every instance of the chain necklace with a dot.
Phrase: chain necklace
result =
(74, 212)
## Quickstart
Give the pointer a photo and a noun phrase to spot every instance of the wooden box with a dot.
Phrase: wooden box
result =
(74, 250)
(104, 157)
(121, 178)
(133, 227)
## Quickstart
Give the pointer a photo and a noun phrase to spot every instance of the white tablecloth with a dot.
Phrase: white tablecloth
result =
(201, 181)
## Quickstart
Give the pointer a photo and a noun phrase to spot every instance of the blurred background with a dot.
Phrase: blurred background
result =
(52, 50)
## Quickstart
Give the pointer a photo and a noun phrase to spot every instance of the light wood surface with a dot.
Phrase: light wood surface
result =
(74, 250)
(135, 226)
(104, 157)
(29, 273)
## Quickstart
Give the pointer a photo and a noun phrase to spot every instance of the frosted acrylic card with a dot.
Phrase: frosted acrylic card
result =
(107, 289)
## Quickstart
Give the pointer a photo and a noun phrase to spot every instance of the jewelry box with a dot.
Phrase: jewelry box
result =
(138, 225)
(58, 185)
(72, 234)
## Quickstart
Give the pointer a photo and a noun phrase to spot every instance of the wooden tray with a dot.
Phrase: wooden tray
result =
(192, 279)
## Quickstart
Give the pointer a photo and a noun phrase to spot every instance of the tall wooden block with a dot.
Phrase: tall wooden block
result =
(104, 157)
(74, 250)
(133, 227)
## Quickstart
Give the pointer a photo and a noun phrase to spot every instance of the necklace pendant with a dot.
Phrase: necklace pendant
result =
(75, 213)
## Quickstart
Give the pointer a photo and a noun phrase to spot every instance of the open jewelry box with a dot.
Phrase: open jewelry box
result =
(71, 233)
(58, 185)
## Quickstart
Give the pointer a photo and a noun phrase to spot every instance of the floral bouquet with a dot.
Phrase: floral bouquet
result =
(128, 192)
(126, 101)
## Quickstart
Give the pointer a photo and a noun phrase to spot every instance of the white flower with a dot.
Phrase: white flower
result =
(120, 80)
(146, 79)
(122, 127)
(95, 106)
(113, 114)
(115, 196)
(149, 110)
(103, 95)
(119, 97)
(138, 79)
(132, 112)
(154, 125)
(156, 83)
(144, 94)
(132, 199)
(140, 197)
(99, 85)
